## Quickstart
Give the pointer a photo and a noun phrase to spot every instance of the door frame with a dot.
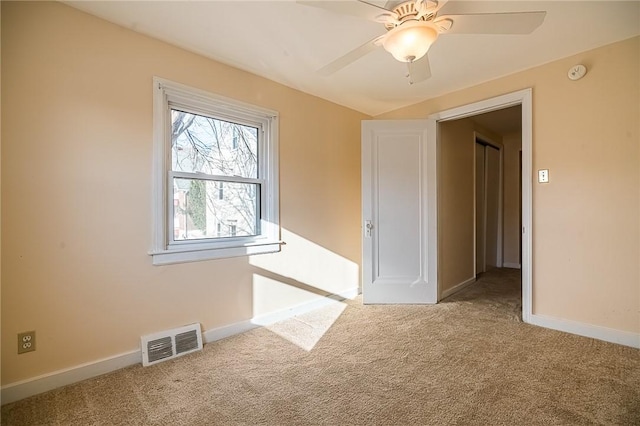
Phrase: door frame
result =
(523, 98)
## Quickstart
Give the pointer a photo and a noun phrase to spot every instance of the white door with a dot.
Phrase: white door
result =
(481, 209)
(399, 233)
(492, 213)
(488, 208)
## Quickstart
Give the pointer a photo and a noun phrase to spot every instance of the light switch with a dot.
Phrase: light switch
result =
(543, 176)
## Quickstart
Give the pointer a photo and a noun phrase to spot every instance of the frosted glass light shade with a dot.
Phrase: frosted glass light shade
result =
(410, 40)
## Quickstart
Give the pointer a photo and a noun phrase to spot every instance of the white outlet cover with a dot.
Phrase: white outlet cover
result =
(543, 176)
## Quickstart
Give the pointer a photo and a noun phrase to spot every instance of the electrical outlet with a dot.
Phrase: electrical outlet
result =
(26, 342)
(543, 176)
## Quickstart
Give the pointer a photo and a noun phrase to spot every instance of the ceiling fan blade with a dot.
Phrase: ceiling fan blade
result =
(388, 18)
(496, 23)
(350, 57)
(359, 9)
(443, 24)
(419, 70)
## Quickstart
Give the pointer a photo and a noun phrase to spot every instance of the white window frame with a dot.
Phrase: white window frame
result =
(164, 251)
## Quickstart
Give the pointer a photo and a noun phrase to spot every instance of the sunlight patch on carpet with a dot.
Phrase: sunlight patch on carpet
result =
(306, 330)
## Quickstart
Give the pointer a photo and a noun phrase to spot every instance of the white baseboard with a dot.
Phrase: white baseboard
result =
(510, 265)
(26, 388)
(220, 333)
(456, 288)
(620, 337)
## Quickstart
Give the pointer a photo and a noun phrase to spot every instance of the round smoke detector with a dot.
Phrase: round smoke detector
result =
(576, 72)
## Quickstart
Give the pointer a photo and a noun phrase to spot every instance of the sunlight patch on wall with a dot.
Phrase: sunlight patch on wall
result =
(291, 289)
(277, 299)
(310, 264)
(302, 323)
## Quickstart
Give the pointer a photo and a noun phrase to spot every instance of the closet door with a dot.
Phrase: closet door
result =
(480, 210)
(492, 212)
(488, 233)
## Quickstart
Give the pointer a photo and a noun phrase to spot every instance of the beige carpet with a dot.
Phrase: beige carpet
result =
(468, 360)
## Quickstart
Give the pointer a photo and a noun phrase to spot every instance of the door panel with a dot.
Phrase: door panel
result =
(492, 189)
(480, 210)
(488, 204)
(399, 216)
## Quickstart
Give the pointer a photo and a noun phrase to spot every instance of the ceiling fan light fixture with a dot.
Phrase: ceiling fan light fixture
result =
(410, 40)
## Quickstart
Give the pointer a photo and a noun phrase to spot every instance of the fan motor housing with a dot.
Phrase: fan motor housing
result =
(407, 11)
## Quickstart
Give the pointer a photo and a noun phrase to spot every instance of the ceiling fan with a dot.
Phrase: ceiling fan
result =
(413, 26)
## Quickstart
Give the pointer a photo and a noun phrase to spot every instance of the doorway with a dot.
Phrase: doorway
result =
(523, 231)
(421, 149)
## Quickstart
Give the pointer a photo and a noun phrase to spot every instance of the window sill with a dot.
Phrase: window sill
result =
(192, 254)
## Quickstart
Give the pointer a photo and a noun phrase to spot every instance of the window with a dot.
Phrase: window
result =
(236, 138)
(215, 162)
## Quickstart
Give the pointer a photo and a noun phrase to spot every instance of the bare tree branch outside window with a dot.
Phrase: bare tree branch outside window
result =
(216, 153)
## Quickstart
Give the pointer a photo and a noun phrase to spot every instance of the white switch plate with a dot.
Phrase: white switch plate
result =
(543, 176)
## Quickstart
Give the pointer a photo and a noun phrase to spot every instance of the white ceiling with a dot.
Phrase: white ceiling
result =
(288, 42)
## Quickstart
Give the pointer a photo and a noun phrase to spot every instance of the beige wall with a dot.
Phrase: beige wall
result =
(76, 176)
(455, 204)
(586, 231)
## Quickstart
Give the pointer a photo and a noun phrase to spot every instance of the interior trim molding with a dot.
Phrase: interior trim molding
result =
(511, 265)
(456, 288)
(30, 387)
(57, 379)
(606, 334)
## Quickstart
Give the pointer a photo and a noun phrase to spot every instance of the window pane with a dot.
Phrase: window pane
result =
(212, 146)
(213, 209)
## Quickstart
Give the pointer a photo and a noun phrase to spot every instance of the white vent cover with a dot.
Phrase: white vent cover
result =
(158, 347)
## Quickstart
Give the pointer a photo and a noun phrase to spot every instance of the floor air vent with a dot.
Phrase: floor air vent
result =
(170, 344)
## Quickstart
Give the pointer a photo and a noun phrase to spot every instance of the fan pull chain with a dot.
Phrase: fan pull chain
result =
(409, 72)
